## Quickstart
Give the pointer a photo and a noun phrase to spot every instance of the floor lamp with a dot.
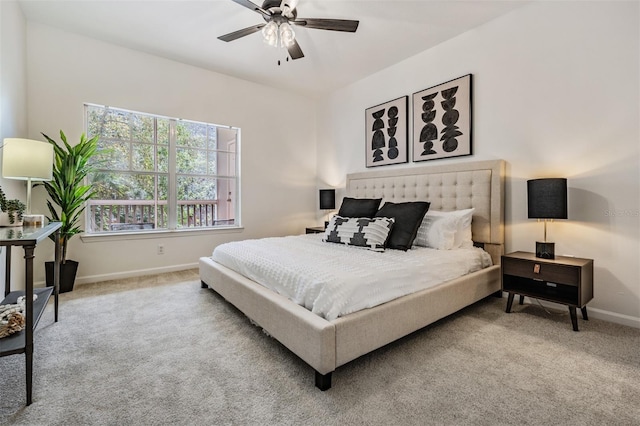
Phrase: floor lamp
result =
(30, 160)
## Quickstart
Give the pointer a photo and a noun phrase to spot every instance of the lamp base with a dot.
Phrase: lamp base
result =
(545, 250)
(33, 220)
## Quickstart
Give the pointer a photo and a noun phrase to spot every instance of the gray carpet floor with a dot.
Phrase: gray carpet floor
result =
(160, 350)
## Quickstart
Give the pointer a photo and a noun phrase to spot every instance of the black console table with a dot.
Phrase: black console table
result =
(28, 238)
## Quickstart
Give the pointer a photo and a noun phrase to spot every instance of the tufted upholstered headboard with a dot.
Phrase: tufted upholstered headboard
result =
(478, 184)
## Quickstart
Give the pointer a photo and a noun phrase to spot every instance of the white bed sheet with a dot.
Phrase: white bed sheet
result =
(333, 280)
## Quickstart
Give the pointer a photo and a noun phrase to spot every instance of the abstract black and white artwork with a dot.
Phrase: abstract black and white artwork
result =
(442, 120)
(386, 131)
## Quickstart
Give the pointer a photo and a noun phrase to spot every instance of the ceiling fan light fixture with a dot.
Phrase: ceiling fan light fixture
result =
(287, 35)
(278, 31)
(278, 34)
(270, 34)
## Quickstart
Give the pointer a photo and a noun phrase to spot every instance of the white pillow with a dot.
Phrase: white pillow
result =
(445, 230)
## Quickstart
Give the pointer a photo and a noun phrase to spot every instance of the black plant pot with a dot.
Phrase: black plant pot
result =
(67, 275)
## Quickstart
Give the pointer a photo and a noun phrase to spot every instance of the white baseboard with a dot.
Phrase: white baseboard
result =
(593, 313)
(128, 274)
(614, 317)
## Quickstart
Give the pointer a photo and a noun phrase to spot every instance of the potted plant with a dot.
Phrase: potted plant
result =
(68, 194)
(11, 211)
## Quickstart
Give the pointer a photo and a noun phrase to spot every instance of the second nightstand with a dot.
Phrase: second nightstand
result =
(565, 280)
(314, 230)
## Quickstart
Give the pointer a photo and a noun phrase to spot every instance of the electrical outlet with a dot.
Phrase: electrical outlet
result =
(160, 248)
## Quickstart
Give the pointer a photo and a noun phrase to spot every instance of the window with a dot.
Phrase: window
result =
(155, 173)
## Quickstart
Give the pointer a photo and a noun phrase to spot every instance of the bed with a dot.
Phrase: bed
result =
(327, 344)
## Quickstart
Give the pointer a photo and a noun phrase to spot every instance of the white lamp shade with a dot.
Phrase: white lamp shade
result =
(26, 159)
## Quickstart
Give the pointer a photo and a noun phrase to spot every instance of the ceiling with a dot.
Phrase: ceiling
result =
(187, 31)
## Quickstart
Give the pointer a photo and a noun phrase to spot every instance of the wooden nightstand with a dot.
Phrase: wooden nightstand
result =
(314, 230)
(565, 280)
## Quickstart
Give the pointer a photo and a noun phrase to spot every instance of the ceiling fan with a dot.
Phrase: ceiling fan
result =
(277, 30)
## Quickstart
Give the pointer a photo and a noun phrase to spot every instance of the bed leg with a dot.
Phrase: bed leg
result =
(203, 284)
(498, 294)
(323, 381)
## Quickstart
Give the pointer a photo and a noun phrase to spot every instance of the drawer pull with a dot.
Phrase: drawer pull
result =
(536, 268)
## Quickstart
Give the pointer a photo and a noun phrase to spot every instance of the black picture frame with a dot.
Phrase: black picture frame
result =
(387, 133)
(442, 120)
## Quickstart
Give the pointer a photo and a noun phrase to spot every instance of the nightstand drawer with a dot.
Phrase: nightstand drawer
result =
(555, 273)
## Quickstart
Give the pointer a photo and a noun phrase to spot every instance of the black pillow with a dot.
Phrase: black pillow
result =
(359, 207)
(408, 218)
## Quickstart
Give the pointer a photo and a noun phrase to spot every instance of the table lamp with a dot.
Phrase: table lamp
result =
(327, 201)
(546, 200)
(30, 160)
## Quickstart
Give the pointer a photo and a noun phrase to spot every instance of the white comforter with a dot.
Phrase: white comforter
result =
(333, 280)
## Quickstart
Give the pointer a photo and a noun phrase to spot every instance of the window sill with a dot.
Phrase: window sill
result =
(134, 235)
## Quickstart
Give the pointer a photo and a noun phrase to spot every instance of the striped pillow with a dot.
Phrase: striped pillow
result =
(359, 231)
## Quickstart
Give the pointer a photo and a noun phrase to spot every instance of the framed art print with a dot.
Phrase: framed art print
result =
(442, 120)
(386, 130)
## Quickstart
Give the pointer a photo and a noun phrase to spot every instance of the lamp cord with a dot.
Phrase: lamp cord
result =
(546, 310)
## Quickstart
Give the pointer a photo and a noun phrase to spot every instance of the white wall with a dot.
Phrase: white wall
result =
(13, 110)
(278, 140)
(555, 94)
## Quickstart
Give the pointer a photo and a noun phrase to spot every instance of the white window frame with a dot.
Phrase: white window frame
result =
(172, 201)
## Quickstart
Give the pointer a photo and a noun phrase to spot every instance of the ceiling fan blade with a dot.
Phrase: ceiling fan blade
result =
(252, 6)
(292, 3)
(294, 50)
(241, 33)
(287, 7)
(346, 25)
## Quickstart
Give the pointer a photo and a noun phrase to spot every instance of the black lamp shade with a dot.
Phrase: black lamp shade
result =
(547, 198)
(327, 199)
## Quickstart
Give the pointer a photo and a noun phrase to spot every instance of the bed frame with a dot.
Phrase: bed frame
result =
(326, 345)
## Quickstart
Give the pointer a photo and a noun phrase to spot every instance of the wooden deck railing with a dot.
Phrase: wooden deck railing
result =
(125, 215)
